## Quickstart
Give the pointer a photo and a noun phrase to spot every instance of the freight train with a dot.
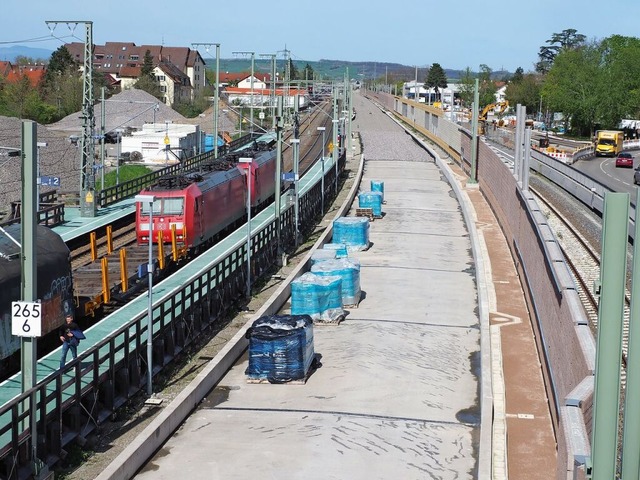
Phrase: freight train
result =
(54, 288)
(200, 205)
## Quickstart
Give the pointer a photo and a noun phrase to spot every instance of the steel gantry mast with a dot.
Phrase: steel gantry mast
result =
(87, 172)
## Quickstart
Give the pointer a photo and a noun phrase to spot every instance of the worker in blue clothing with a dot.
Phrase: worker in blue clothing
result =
(68, 339)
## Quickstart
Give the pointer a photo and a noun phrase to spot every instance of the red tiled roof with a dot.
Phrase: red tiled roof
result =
(35, 73)
(130, 72)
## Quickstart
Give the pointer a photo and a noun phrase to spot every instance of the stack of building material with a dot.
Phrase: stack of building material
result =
(348, 269)
(378, 186)
(322, 255)
(280, 348)
(351, 231)
(318, 296)
(372, 200)
(339, 248)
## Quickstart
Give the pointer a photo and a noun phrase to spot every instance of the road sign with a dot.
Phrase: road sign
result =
(49, 181)
(26, 319)
(289, 177)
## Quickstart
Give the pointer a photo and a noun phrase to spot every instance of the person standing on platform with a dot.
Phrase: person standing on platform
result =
(69, 338)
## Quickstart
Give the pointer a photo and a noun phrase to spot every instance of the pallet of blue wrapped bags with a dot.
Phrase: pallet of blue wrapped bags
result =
(280, 349)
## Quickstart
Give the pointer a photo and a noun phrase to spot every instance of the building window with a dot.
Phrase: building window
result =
(134, 57)
(163, 88)
(160, 78)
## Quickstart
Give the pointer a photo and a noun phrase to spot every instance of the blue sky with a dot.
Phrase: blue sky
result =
(457, 35)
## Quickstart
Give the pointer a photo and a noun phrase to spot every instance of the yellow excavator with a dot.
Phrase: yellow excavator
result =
(499, 108)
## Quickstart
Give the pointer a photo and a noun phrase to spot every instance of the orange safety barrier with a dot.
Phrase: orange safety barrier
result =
(106, 291)
(174, 243)
(109, 239)
(160, 251)
(124, 278)
(94, 248)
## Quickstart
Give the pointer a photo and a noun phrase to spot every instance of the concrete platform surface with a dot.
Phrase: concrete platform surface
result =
(396, 395)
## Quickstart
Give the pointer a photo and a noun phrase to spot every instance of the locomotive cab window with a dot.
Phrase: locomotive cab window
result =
(144, 207)
(172, 206)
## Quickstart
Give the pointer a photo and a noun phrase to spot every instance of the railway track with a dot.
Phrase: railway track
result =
(121, 237)
(584, 263)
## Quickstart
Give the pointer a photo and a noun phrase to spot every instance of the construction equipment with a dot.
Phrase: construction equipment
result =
(498, 108)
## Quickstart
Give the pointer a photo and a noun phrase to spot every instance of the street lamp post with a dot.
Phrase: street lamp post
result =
(39, 145)
(246, 171)
(322, 129)
(346, 135)
(142, 200)
(119, 133)
(296, 211)
(334, 150)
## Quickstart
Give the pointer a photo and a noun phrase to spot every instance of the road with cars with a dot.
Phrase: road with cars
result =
(604, 170)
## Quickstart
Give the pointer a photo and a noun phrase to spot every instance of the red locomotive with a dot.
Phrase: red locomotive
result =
(201, 204)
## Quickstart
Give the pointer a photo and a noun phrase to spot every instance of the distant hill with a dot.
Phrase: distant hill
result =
(336, 69)
(9, 54)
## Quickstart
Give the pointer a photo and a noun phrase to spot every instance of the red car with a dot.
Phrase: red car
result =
(624, 159)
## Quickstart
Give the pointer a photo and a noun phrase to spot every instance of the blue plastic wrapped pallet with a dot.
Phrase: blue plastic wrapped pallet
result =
(318, 296)
(372, 200)
(378, 186)
(280, 348)
(348, 269)
(339, 248)
(352, 232)
(322, 255)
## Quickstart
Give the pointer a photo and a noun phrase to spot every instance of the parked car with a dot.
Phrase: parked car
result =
(624, 159)
(636, 176)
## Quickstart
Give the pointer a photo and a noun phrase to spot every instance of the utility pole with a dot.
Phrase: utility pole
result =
(102, 133)
(216, 93)
(296, 161)
(474, 135)
(87, 182)
(29, 281)
(272, 93)
(253, 55)
(334, 133)
(279, 128)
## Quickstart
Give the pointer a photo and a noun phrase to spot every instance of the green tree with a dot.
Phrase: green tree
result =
(567, 39)
(436, 78)
(147, 79)
(63, 83)
(525, 90)
(572, 86)
(16, 95)
(307, 72)
(467, 87)
(619, 81)
(486, 87)
(61, 62)
(517, 76)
